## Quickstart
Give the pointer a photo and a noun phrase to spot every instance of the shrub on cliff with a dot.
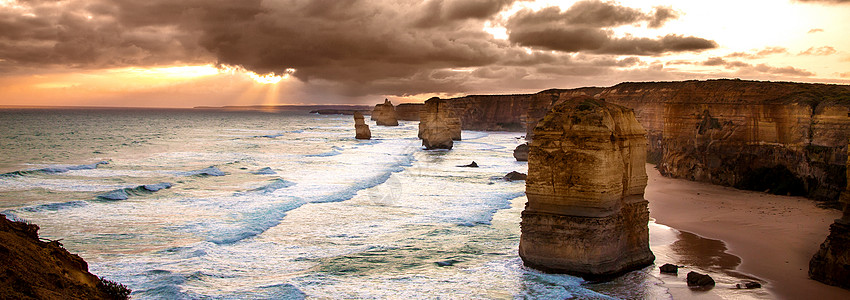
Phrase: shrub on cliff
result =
(115, 290)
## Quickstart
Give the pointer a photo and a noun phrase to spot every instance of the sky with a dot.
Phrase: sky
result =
(166, 53)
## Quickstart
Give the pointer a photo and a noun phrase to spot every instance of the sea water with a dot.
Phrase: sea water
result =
(189, 204)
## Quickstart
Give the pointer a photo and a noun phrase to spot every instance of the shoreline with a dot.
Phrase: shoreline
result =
(774, 236)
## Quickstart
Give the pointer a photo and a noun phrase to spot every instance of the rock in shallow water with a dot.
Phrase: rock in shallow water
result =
(586, 214)
(514, 175)
(521, 152)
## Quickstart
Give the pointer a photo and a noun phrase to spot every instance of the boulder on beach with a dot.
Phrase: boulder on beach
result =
(586, 214)
(700, 280)
(384, 114)
(669, 268)
(362, 131)
(471, 165)
(521, 152)
(439, 126)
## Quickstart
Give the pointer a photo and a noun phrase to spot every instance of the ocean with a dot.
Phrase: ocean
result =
(205, 204)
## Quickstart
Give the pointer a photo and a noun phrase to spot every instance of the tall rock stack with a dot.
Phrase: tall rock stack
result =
(831, 264)
(586, 214)
(362, 130)
(439, 126)
(384, 114)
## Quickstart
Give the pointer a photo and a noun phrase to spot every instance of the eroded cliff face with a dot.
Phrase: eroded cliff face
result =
(586, 214)
(439, 126)
(831, 264)
(34, 269)
(785, 138)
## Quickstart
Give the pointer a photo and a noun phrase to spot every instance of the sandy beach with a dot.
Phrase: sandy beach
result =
(769, 237)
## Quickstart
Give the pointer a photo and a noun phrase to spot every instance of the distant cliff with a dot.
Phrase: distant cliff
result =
(785, 138)
(408, 111)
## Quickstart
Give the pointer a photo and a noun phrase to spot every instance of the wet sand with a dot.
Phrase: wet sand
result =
(765, 238)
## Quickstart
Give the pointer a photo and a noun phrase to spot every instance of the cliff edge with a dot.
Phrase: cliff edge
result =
(33, 269)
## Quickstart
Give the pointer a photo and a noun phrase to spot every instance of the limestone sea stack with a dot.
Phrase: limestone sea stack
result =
(384, 114)
(439, 126)
(831, 264)
(362, 130)
(586, 214)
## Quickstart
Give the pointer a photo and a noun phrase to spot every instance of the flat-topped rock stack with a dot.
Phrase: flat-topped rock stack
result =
(439, 126)
(831, 264)
(384, 114)
(362, 130)
(586, 214)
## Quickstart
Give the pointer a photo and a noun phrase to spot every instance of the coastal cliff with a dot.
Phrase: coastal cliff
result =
(408, 111)
(780, 137)
(586, 214)
(831, 264)
(35, 269)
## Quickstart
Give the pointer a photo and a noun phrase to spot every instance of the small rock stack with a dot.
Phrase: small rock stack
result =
(362, 130)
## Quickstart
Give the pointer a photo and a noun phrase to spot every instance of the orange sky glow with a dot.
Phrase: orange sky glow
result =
(801, 41)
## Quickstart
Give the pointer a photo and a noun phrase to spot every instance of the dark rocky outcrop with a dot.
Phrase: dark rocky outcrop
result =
(831, 264)
(384, 114)
(700, 280)
(362, 131)
(34, 269)
(408, 111)
(471, 165)
(439, 127)
(521, 152)
(586, 214)
(514, 176)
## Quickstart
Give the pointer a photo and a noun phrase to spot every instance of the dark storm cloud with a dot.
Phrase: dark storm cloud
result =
(743, 67)
(439, 12)
(586, 26)
(349, 47)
